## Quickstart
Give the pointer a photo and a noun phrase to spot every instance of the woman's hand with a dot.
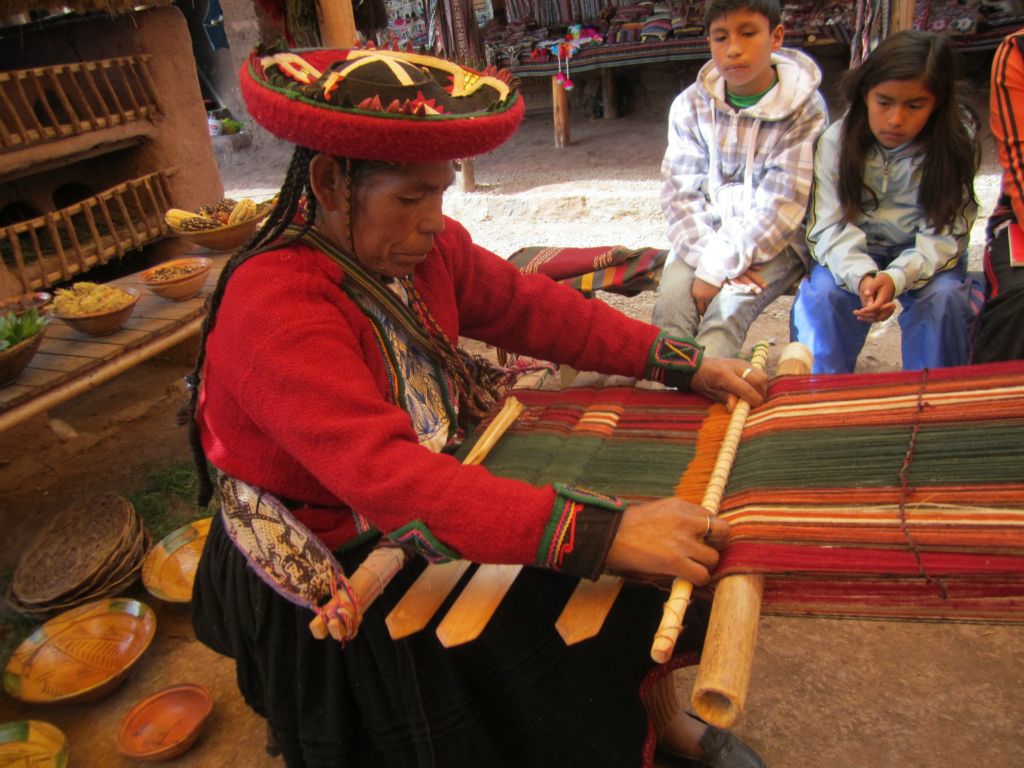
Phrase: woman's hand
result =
(876, 298)
(719, 377)
(667, 538)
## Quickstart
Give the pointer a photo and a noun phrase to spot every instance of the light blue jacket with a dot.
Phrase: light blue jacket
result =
(897, 224)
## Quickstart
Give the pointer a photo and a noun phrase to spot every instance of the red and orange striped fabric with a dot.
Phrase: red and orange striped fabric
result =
(892, 495)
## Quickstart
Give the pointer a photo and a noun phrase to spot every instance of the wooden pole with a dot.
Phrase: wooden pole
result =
(337, 23)
(901, 16)
(608, 95)
(560, 112)
(465, 175)
(723, 680)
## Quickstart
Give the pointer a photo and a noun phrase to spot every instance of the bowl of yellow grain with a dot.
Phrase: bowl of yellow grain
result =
(95, 309)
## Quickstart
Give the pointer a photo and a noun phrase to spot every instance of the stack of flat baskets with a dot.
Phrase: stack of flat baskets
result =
(92, 549)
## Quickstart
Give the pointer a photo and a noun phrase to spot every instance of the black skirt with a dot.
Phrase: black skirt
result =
(516, 696)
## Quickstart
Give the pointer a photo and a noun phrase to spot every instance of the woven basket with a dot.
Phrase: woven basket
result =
(58, 571)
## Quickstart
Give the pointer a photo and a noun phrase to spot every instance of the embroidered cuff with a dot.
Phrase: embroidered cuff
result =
(673, 360)
(580, 533)
(416, 535)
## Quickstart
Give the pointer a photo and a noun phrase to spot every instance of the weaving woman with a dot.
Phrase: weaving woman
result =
(329, 387)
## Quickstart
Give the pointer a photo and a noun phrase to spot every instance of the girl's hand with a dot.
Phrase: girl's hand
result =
(666, 538)
(702, 294)
(876, 298)
(750, 281)
(719, 378)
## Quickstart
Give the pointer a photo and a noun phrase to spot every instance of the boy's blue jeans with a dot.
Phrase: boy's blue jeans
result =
(935, 322)
(724, 326)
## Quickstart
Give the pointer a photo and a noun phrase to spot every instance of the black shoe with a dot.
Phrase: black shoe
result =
(723, 750)
(664, 758)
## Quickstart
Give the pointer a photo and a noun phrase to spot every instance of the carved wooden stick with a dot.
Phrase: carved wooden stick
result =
(675, 606)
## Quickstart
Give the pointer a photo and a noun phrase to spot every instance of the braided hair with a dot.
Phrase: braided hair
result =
(475, 379)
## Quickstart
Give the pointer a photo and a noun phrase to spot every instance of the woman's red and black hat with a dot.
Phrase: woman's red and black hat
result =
(378, 104)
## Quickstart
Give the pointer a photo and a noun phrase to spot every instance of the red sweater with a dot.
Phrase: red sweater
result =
(295, 395)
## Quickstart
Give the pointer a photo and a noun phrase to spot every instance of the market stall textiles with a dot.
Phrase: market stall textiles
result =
(881, 496)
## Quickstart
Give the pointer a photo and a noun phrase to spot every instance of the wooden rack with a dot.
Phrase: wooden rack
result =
(54, 247)
(50, 103)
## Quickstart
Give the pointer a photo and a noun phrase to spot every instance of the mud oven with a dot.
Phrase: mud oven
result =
(102, 129)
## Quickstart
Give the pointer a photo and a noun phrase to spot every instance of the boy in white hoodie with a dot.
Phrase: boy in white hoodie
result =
(737, 176)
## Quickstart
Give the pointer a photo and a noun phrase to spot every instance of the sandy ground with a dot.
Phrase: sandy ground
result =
(825, 693)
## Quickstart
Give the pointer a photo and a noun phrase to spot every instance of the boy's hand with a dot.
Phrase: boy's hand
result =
(750, 281)
(876, 298)
(703, 293)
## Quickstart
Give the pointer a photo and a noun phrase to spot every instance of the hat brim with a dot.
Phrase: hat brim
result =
(372, 135)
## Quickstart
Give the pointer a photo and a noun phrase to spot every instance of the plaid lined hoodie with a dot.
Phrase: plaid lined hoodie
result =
(737, 182)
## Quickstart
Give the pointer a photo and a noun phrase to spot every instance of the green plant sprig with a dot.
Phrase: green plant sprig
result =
(15, 329)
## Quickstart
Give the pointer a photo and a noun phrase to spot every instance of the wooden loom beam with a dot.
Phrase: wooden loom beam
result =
(723, 678)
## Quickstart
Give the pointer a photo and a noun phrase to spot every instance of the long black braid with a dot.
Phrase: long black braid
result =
(475, 378)
(295, 189)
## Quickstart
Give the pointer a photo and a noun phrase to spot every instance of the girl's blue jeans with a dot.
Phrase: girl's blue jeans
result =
(935, 322)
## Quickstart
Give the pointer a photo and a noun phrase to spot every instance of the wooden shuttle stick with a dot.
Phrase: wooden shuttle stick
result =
(587, 608)
(381, 565)
(679, 598)
(424, 597)
(723, 679)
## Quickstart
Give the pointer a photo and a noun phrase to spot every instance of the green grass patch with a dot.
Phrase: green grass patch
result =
(14, 627)
(167, 501)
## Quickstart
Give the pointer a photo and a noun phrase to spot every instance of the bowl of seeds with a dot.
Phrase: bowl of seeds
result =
(178, 279)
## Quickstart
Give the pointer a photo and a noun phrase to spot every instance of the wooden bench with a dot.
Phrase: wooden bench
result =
(70, 363)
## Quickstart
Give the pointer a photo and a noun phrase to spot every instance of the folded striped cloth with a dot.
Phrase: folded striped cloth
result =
(607, 268)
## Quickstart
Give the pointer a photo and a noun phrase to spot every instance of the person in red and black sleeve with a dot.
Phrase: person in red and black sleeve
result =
(999, 334)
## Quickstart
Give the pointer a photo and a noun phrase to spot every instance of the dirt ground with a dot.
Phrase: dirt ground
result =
(825, 693)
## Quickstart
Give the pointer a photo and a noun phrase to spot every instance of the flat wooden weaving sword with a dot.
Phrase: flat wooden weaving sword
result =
(415, 608)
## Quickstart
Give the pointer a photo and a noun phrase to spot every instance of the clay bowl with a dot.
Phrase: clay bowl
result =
(230, 236)
(170, 567)
(178, 279)
(14, 360)
(21, 304)
(32, 743)
(102, 323)
(81, 654)
(165, 724)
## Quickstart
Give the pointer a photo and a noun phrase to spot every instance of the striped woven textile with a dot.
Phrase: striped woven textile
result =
(612, 268)
(874, 496)
(631, 54)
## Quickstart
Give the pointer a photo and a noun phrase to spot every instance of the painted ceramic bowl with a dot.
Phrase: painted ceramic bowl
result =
(170, 567)
(14, 360)
(19, 305)
(81, 654)
(165, 724)
(32, 743)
